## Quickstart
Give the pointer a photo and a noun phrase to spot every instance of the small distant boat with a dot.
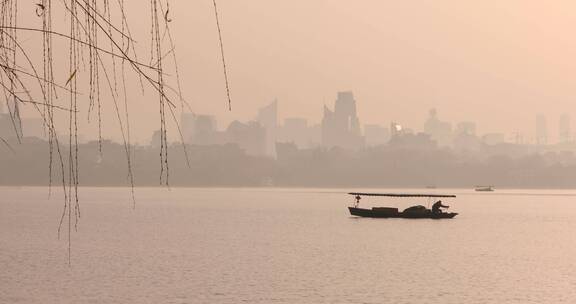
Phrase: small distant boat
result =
(484, 188)
(414, 212)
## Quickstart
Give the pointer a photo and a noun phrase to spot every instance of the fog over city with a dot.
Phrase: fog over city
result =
(287, 151)
(453, 86)
(337, 152)
(498, 64)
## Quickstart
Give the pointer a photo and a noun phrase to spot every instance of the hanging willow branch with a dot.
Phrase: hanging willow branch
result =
(222, 54)
(100, 53)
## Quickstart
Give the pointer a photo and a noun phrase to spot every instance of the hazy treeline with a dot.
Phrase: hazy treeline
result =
(228, 166)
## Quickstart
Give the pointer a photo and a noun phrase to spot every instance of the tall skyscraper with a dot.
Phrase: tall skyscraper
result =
(493, 138)
(296, 131)
(187, 126)
(376, 135)
(541, 130)
(396, 129)
(564, 130)
(268, 118)
(200, 129)
(341, 127)
(439, 131)
(465, 128)
(250, 137)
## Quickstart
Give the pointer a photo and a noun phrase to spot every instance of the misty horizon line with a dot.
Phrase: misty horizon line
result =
(406, 162)
(516, 136)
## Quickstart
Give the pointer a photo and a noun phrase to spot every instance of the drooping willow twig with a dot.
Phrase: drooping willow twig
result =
(88, 22)
(101, 50)
(222, 54)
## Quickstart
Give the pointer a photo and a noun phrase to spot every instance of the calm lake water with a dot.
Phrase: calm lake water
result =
(286, 246)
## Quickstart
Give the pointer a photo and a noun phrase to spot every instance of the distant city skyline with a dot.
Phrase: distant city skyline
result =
(497, 63)
(434, 123)
(342, 127)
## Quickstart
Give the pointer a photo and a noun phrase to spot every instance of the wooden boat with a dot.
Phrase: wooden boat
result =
(484, 188)
(414, 212)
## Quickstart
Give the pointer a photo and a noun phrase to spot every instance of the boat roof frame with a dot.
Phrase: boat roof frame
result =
(400, 194)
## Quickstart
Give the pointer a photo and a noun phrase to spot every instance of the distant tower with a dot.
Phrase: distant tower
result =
(205, 130)
(395, 130)
(268, 118)
(438, 130)
(433, 114)
(465, 128)
(341, 127)
(518, 138)
(541, 130)
(376, 135)
(198, 129)
(187, 126)
(564, 131)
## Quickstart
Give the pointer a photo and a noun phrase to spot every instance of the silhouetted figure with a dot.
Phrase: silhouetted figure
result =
(436, 208)
(357, 200)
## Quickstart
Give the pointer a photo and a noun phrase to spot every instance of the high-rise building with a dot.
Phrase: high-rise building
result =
(465, 138)
(250, 137)
(314, 138)
(156, 140)
(268, 118)
(465, 128)
(205, 131)
(187, 126)
(564, 130)
(396, 129)
(493, 138)
(200, 129)
(439, 131)
(376, 135)
(341, 127)
(295, 130)
(541, 130)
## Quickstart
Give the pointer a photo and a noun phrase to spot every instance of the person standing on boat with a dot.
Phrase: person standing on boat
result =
(437, 207)
(357, 201)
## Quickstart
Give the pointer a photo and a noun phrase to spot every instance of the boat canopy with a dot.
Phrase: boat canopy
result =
(400, 194)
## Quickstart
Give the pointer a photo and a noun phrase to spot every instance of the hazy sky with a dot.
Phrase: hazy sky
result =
(496, 62)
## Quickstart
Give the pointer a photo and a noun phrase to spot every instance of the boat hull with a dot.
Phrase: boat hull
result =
(484, 189)
(379, 214)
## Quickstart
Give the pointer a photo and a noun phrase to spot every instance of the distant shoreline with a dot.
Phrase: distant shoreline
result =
(344, 189)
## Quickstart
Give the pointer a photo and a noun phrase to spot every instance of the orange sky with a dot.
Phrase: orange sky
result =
(496, 62)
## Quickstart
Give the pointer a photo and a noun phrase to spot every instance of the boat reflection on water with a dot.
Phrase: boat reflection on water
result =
(414, 212)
